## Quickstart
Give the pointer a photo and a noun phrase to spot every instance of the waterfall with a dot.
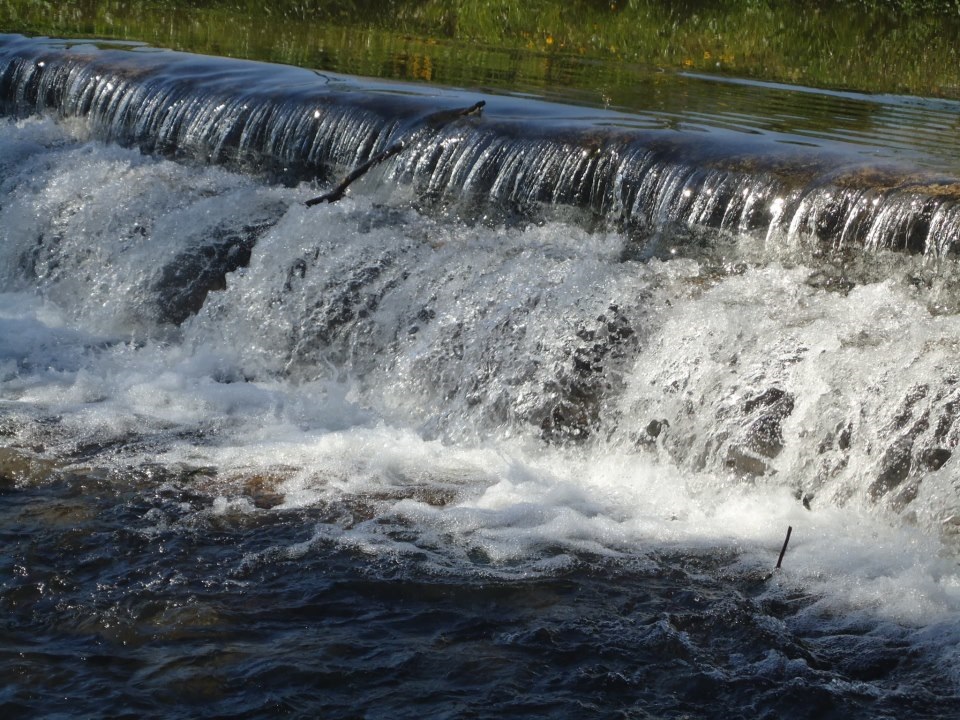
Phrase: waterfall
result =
(293, 125)
(513, 274)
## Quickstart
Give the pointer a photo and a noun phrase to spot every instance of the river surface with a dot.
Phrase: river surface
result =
(514, 429)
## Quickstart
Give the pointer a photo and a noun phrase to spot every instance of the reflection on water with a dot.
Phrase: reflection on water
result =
(601, 51)
(648, 174)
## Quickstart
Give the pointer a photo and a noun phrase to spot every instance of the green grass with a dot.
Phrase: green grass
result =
(902, 46)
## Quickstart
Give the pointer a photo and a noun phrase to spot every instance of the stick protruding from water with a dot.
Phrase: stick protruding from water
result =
(339, 190)
(783, 550)
(432, 123)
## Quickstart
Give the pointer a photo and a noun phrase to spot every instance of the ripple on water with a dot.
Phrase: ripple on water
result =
(123, 598)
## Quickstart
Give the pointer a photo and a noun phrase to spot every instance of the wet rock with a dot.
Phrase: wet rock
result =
(844, 437)
(934, 458)
(905, 495)
(743, 462)
(763, 435)
(580, 389)
(755, 432)
(836, 439)
(264, 490)
(772, 398)
(950, 525)
(340, 307)
(906, 412)
(901, 458)
(894, 467)
(18, 466)
(185, 282)
(655, 427)
(947, 420)
(296, 271)
(647, 437)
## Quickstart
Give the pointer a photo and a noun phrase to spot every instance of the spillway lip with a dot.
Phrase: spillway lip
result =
(179, 76)
(636, 170)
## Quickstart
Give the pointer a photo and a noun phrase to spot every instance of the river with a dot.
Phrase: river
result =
(515, 428)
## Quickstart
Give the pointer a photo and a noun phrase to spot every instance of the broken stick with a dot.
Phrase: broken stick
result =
(358, 172)
(434, 121)
(783, 550)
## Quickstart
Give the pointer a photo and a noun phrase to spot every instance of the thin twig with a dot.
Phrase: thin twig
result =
(434, 121)
(783, 550)
(358, 172)
(437, 120)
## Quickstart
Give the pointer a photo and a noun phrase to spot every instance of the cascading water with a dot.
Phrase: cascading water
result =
(643, 178)
(526, 415)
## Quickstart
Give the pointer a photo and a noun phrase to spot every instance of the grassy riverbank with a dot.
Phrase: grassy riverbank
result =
(902, 46)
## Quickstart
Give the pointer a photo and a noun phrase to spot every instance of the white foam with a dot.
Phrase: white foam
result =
(426, 442)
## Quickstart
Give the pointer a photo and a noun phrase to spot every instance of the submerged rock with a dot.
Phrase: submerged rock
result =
(186, 281)
(585, 380)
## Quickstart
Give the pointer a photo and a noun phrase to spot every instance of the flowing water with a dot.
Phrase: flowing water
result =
(514, 429)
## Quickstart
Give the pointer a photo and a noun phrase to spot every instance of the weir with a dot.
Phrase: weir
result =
(514, 428)
(517, 161)
(512, 287)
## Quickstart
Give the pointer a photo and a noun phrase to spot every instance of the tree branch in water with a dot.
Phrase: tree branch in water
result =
(339, 190)
(435, 122)
(783, 550)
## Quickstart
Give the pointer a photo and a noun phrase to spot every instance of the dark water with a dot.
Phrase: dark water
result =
(514, 429)
(120, 601)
